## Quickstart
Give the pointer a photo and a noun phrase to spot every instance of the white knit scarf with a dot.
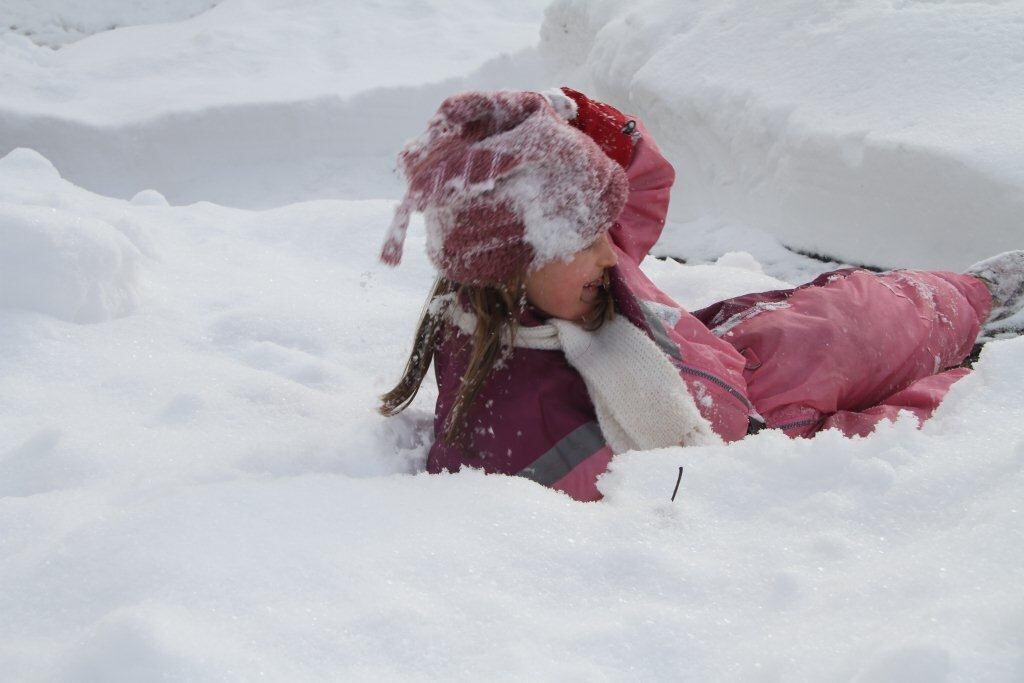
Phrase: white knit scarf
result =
(639, 397)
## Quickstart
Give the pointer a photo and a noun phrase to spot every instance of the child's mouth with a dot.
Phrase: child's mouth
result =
(590, 289)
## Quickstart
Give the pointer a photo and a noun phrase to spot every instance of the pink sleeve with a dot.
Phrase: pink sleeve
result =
(650, 183)
(711, 367)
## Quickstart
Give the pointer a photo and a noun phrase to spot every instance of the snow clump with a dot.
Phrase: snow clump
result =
(72, 267)
(149, 198)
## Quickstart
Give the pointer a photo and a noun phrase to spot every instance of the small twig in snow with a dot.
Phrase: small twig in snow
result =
(678, 479)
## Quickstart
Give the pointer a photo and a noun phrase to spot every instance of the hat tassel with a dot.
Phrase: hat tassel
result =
(391, 252)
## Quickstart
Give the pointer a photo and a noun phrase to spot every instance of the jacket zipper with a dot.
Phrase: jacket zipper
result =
(672, 351)
(733, 391)
(798, 423)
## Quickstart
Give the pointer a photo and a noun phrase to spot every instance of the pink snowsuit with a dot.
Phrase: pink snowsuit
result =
(845, 351)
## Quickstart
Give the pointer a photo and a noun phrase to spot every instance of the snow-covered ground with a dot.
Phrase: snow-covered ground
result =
(194, 484)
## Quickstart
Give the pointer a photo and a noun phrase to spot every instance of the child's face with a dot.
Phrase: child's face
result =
(569, 289)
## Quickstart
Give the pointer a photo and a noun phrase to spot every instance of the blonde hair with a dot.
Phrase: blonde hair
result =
(497, 310)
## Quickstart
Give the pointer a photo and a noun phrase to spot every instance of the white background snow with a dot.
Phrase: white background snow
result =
(194, 484)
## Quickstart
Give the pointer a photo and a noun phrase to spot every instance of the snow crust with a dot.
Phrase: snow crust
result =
(56, 23)
(195, 485)
(878, 132)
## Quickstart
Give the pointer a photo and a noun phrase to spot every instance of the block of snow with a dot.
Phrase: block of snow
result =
(149, 198)
(68, 266)
(739, 259)
(696, 286)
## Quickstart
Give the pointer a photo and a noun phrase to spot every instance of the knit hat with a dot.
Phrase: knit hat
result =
(505, 184)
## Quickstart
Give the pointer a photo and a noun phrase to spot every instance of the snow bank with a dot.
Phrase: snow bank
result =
(250, 104)
(250, 52)
(878, 132)
(55, 262)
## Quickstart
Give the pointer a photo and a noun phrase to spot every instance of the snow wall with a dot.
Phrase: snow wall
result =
(247, 104)
(884, 133)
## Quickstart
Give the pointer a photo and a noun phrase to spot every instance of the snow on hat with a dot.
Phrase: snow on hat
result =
(505, 184)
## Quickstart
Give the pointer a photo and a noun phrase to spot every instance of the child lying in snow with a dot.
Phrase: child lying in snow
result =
(553, 351)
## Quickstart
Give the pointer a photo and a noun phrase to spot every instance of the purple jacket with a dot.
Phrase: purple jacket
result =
(534, 417)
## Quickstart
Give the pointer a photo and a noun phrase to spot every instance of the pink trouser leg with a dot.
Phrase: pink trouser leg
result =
(856, 345)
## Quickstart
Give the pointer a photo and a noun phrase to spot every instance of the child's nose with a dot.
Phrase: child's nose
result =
(608, 257)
